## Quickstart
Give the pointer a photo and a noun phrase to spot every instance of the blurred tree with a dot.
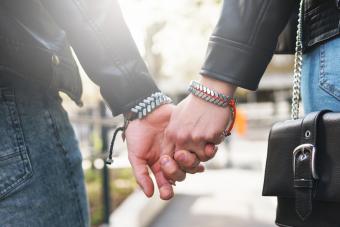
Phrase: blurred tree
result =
(154, 59)
(173, 38)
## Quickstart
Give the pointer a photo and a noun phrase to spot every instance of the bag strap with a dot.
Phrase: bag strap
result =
(305, 175)
(297, 66)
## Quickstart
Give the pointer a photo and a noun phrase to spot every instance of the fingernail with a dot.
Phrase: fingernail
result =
(165, 161)
(166, 192)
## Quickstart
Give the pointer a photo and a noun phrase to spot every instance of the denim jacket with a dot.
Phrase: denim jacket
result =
(36, 37)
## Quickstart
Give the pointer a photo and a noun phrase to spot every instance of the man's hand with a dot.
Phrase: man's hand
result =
(144, 138)
(196, 123)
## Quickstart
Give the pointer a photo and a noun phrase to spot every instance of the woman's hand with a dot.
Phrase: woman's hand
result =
(195, 123)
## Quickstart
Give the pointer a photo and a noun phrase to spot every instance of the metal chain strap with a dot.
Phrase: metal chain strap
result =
(297, 66)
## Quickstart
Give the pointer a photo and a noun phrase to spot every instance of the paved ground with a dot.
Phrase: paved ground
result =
(224, 197)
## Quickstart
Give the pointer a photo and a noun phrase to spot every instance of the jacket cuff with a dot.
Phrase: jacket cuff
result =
(123, 99)
(235, 63)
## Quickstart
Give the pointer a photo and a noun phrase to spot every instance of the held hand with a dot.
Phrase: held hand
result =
(196, 123)
(144, 138)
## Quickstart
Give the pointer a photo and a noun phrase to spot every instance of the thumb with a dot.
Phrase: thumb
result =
(141, 173)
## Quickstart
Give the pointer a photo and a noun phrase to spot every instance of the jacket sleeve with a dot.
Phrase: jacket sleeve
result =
(105, 48)
(244, 40)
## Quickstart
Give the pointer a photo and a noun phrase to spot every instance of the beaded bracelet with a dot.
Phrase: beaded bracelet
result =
(216, 98)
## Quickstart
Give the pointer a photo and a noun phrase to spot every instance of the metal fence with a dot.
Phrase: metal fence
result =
(94, 128)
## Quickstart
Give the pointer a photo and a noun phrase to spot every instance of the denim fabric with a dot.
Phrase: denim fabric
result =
(321, 77)
(41, 178)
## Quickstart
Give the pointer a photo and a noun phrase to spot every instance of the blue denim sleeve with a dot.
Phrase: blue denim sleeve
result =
(105, 48)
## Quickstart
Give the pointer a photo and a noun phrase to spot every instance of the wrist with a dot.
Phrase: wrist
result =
(217, 93)
(219, 86)
(161, 114)
(158, 114)
(147, 106)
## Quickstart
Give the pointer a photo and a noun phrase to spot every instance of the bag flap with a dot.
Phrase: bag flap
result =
(284, 137)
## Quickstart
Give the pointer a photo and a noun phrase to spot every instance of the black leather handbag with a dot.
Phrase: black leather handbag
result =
(303, 170)
(303, 163)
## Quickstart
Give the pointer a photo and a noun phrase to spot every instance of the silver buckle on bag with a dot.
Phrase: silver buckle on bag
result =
(302, 152)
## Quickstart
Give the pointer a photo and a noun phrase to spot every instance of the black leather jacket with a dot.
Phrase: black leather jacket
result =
(248, 33)
(36, 35)
(35, 40)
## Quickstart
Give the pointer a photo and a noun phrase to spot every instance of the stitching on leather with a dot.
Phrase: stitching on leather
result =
(322, 5)
(241, 46)
(230, 78)
(227, 42)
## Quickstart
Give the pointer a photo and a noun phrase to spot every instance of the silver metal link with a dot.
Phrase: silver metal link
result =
(208, 94)
(148, 105)
(297, 66)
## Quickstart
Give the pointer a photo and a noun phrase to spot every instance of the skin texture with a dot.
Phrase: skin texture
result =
(144, 138)
(172, 141)
(196, 123)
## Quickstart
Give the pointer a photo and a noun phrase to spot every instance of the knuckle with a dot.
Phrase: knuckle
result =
(211, 136)
(182, 137)
(169, 133)
(196, 137)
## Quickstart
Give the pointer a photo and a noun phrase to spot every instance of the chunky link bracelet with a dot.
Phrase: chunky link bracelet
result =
(148, 105)
(216, 98)
(208, 94)
(140, 111)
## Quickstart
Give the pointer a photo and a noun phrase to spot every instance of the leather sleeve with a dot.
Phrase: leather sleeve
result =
(244, 40)
(104, 46)
(287, 39)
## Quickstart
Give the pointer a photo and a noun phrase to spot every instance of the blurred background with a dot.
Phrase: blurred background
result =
(172, 38)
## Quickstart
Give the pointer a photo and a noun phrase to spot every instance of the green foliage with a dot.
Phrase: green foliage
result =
(122, 184)
(200, 2)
